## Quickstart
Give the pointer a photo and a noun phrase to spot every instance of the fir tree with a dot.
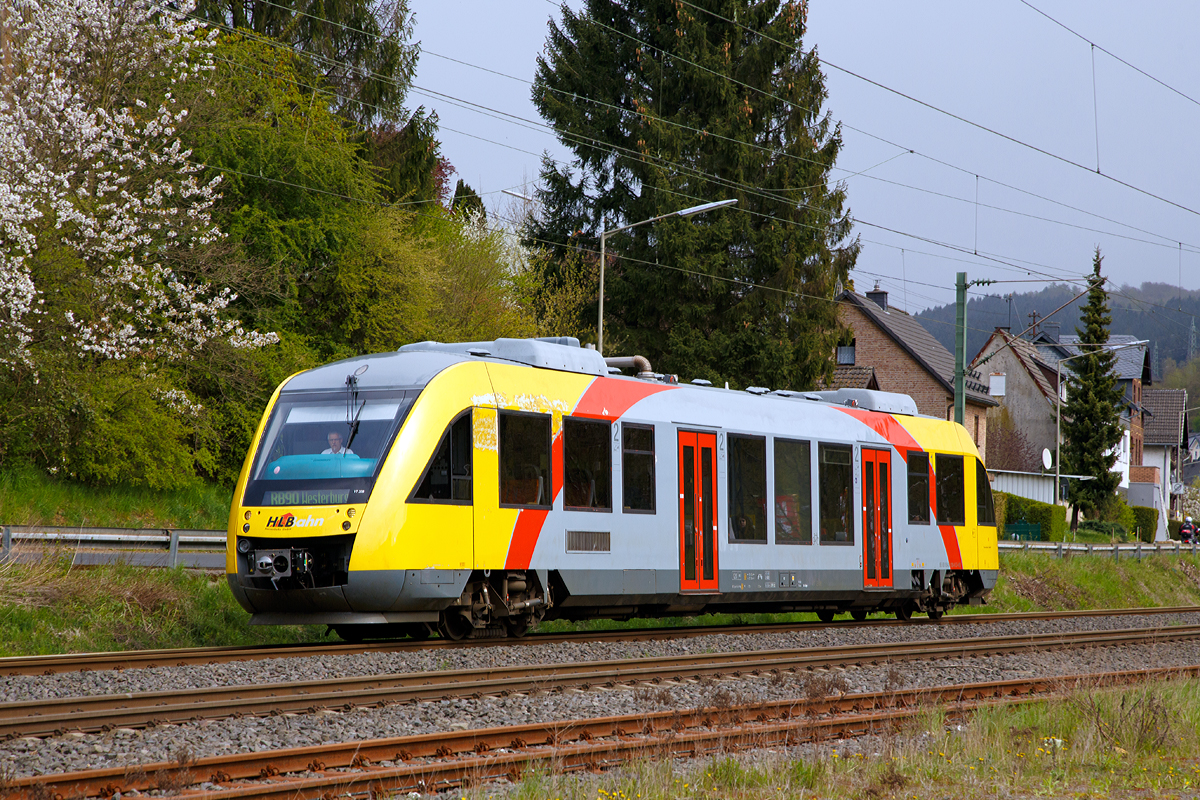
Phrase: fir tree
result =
(668, 105)
(1091, 421)
(466, 201)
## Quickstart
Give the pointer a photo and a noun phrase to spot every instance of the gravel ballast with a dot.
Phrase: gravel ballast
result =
(128, 747)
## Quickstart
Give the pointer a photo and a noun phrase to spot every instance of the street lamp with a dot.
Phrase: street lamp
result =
(1058, 407)
(687, 212)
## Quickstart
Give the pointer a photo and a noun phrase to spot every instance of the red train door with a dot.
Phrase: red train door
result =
(697, 512)
(877, 517)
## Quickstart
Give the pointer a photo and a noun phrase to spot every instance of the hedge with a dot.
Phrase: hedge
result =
(1146, 524)
(1173, 526)
(1000, 500)
(1053, 519)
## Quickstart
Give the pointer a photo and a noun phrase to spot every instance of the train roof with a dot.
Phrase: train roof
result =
(421, 361)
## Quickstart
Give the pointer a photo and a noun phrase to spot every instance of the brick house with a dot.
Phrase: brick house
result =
(907, 359)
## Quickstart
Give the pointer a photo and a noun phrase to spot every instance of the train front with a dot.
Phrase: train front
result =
(305, 490)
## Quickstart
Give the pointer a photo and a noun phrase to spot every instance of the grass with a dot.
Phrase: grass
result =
(51, 607)
(1139, 742)
(30, 497)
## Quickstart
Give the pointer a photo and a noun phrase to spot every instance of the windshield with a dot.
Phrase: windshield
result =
(325, 449)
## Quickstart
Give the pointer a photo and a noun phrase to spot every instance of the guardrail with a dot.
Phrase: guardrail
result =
(1116, 552)
(197, 549)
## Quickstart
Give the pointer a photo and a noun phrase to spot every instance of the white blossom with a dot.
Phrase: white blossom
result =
(87, 165)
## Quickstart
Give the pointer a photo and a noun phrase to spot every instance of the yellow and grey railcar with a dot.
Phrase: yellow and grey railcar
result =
(477, 488)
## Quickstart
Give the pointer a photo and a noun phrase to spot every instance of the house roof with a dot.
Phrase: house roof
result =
(1169, 425)
(852, 377)
(1133, 363)
(1028, 355)
(919, 343)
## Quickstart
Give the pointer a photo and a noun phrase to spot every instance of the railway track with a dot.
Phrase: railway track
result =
(100, 712)
(433, 762)
(77, 662)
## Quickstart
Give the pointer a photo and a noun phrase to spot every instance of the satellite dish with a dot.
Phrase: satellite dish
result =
(1047, 460)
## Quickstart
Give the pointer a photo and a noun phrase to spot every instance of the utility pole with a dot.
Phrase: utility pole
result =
(961, 284)
(1033, 325)
(960, 348)
(1192, 341)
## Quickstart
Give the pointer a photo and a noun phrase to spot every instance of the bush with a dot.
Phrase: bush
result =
(1094, 530)
(1173, 526)
(1053, 519)
(1000, 499)
(1145, 522)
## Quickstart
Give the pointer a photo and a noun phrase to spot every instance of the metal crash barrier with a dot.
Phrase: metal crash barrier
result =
(1116, 552)
(196, 549)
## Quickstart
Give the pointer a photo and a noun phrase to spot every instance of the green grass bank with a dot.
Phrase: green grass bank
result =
(50, 607)
(30, 497)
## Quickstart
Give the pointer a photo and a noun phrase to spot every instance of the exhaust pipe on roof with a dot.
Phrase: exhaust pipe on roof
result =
(640, 363)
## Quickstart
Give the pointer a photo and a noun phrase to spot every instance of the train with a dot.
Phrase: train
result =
(475, 489)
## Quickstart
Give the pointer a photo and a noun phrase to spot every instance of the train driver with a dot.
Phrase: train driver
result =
(335, 445)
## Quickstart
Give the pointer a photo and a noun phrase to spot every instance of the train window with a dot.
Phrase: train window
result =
(793, 492)
(984, 508)
(587, 460)
(918, 488)
(835, 479)
(951, 502)
(448, 476)
(637, 467)
(525, 460)
(747, 489)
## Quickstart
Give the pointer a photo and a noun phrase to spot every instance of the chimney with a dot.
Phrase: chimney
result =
(878, 297)
(1052, 330)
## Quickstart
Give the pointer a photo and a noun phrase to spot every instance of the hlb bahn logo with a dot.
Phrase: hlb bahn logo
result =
(292, 521)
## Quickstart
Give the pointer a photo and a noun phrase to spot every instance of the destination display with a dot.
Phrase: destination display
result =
(306, 497)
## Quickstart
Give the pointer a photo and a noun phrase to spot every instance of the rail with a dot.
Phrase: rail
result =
(162, 547)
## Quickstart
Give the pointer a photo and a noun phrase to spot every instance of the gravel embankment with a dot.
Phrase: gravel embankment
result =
(123, 747)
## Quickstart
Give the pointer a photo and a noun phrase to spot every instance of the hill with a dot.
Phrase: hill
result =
(1154, 311)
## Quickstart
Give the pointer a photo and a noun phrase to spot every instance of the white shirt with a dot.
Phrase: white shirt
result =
(329, 452)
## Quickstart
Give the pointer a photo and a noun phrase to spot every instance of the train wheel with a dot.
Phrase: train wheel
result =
(517, 626)
(826, 615)
(455, 626)
(859, 614)
(904, 612)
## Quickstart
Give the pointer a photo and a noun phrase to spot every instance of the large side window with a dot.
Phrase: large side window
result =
(587, 459)
(985, 511)
(525, 460)
(793, 492)
(951, 502)
(918, 488)
(637, 468)
(747, 489)
(448, 476)
(835, 480)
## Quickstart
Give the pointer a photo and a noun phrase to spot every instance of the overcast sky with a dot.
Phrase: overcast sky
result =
(923, 215)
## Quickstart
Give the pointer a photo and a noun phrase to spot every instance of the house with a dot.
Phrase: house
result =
(1165, 440)
(1026, 386)
(907, 359)
(1133, 375)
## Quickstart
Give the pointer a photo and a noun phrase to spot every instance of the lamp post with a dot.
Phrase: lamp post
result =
(1058, 408)
(687, 212)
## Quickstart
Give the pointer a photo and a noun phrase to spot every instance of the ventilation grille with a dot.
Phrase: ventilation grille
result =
(589, 541)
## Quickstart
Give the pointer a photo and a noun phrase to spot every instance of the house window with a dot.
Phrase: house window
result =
(845, 354)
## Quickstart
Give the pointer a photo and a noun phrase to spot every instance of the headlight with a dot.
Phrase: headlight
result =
(350, 512)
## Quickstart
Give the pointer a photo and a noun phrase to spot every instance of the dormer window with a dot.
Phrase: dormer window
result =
(845, 355)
